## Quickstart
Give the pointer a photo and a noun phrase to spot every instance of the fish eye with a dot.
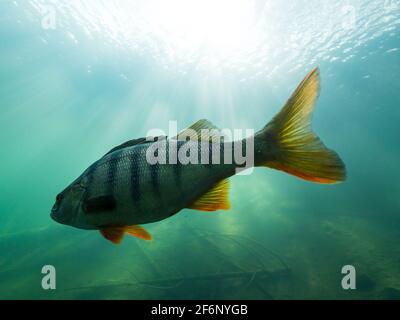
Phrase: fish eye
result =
(59, 197)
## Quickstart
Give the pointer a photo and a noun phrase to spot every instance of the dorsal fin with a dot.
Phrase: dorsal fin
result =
(202, 130)
(214, 199)
(135, 142)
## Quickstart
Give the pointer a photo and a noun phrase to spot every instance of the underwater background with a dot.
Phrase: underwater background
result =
(80, 77)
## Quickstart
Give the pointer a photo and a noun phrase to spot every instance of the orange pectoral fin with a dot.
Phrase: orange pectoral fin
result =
(115, 235)
(138, 231)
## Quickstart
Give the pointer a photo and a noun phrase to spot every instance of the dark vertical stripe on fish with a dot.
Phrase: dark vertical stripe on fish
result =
(177, 167)
(134, 170)
(222, 153)
(210, 155)
(178, 174)
(112, 167)
(90, 173)
(154, 169)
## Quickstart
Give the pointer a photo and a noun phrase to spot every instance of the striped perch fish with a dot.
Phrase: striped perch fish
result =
(122, 190)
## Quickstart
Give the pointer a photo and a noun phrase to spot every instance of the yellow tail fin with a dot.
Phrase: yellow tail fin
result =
(291, 145)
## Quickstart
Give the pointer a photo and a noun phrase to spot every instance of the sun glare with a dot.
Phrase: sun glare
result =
(218, 28)
(173, 31)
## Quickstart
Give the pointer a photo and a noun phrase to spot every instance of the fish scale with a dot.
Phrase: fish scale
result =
(153, 181)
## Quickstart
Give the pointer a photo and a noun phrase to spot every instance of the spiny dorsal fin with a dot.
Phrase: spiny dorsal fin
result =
(138, 231)
(135, 142)
(202, 130)
(215, 199)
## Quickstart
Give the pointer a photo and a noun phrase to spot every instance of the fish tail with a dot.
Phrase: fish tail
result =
(288, 143)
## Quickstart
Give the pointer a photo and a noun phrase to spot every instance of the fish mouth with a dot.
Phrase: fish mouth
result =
(60, 215)
(60, 219)
(53, 214)
(54, 209)
(56, 215)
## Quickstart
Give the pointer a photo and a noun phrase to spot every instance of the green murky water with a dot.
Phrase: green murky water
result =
(79, 77)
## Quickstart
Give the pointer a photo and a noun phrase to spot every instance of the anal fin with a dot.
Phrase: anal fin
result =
(215, 199)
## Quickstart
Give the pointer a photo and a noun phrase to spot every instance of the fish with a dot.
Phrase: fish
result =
(122, 191)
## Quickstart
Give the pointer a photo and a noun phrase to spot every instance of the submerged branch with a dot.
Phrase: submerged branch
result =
(158, 283)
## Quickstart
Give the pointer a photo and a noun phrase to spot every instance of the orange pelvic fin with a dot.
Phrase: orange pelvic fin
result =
(116, 234)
